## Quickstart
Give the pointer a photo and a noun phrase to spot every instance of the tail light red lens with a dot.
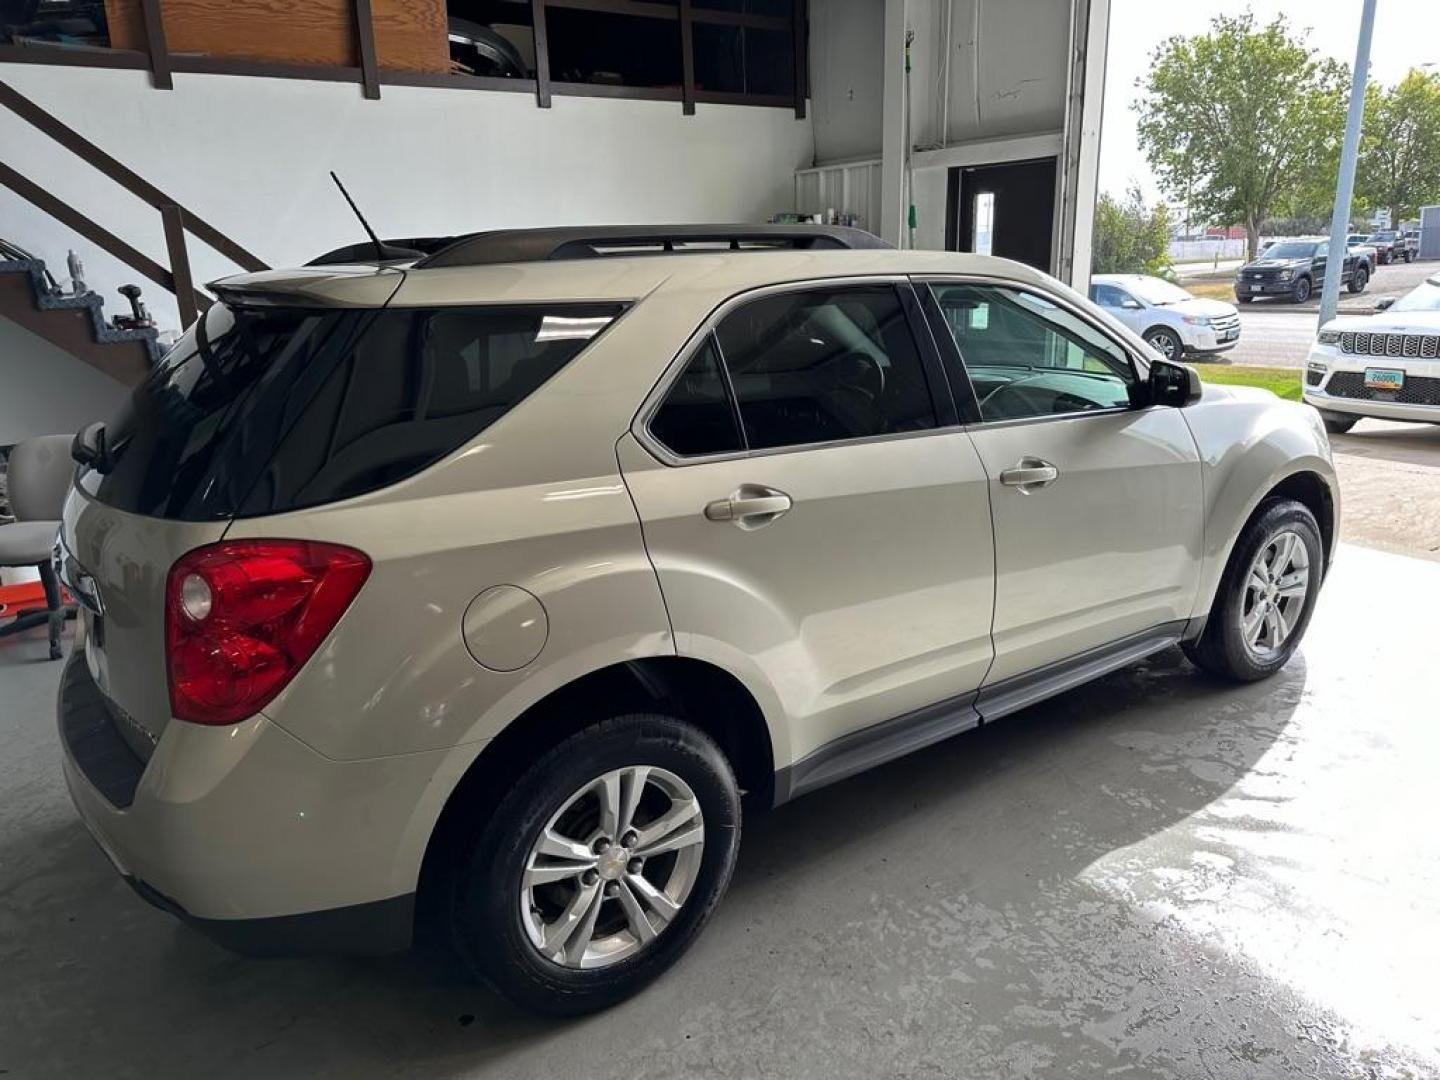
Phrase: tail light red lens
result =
(243, 616)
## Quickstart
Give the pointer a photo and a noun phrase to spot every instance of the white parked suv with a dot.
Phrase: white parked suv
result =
(472, 587)
(1171, 321)
(1385, 365)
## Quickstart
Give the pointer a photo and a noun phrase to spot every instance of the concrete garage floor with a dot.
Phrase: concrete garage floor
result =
(1390, 484)
(1154, 876)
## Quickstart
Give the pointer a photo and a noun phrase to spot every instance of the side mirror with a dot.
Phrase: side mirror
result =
(1131, 304)
(88, 446)
(1176, 385)
(1384, 303)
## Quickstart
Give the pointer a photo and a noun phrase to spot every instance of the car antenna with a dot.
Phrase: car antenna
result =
(379, 247)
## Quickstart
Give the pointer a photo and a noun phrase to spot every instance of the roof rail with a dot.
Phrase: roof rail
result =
(592, 241)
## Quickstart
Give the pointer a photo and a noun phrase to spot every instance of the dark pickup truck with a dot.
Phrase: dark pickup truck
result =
(1295, 269)
(1393, 245)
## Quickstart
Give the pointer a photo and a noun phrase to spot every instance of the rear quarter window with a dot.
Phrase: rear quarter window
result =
(262, 410)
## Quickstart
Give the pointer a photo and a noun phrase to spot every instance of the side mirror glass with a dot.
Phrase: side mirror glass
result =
(1384, 303)
(1176, 385)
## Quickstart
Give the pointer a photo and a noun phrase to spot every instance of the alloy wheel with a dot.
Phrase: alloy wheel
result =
(612, 868)
(1163, 343)
(1275, 591)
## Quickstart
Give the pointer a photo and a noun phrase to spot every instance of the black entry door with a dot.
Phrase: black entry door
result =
(1006, 210)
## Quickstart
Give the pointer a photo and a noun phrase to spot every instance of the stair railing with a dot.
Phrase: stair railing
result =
(175, 219)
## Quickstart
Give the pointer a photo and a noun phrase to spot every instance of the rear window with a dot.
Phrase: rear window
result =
(261, 410)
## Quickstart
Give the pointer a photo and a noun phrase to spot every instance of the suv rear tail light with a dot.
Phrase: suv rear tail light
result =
(243, 616)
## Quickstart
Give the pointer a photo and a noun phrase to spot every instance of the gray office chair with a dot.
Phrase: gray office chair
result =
(38, 480)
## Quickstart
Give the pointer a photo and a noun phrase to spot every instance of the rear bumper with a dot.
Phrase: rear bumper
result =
(375, 929)
(251, 836)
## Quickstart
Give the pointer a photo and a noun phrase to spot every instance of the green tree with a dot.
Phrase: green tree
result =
(1246, 119)
(1399, 165)
(1130, 238)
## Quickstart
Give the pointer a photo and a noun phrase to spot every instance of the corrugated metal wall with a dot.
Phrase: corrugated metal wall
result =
(1430, 232)
(847, 189)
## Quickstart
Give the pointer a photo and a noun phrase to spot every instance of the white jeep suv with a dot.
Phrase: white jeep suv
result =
(1385, 365)
(474, 586)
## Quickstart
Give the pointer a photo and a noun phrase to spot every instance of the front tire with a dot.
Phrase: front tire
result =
(561, 916)
(1359, 279)
(1300, 291)
(1336, 424)
(1165, 341)
(1266, 596)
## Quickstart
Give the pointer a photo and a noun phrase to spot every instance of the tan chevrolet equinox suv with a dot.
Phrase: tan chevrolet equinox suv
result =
(470, 583)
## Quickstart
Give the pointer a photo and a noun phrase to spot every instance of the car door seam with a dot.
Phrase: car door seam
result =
(645, 546)
(994, 555)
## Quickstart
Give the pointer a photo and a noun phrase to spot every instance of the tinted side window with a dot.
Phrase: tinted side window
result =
(1028, 357)
(262, 410)
(1106, 295)
(417, 385)
(825, 364)
(697, 416)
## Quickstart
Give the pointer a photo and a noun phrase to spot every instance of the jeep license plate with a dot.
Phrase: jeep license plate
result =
(1384, 379)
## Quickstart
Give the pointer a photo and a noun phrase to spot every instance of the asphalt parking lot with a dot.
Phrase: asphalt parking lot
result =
(1275, 333)
(1154, 876)
(1391, 279)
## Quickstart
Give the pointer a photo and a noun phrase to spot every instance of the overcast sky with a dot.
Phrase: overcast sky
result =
(1407, 34)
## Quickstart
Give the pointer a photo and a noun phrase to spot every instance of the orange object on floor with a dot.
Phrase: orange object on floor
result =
(25, 597)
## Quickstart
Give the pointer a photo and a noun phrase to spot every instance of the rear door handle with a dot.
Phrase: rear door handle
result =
(1031, 474)
(749, 506)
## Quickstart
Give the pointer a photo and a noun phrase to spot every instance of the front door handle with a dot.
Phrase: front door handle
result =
(749, 506)
(1031, 474)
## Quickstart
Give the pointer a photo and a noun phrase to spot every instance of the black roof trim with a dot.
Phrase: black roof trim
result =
(401, 250)
(592, 241)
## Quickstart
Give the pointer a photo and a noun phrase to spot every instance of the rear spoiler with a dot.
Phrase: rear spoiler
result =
(366, 286)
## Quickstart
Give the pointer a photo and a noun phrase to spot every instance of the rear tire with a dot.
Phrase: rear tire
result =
(1280, 549)
(1338, 425)
(1359, 279)
(500, 919)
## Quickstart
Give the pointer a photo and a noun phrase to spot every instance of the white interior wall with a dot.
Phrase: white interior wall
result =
(45, 391)
(252, 157)
(846, 73)
(1002, 98)
(1007, 71)
(1007, 68)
